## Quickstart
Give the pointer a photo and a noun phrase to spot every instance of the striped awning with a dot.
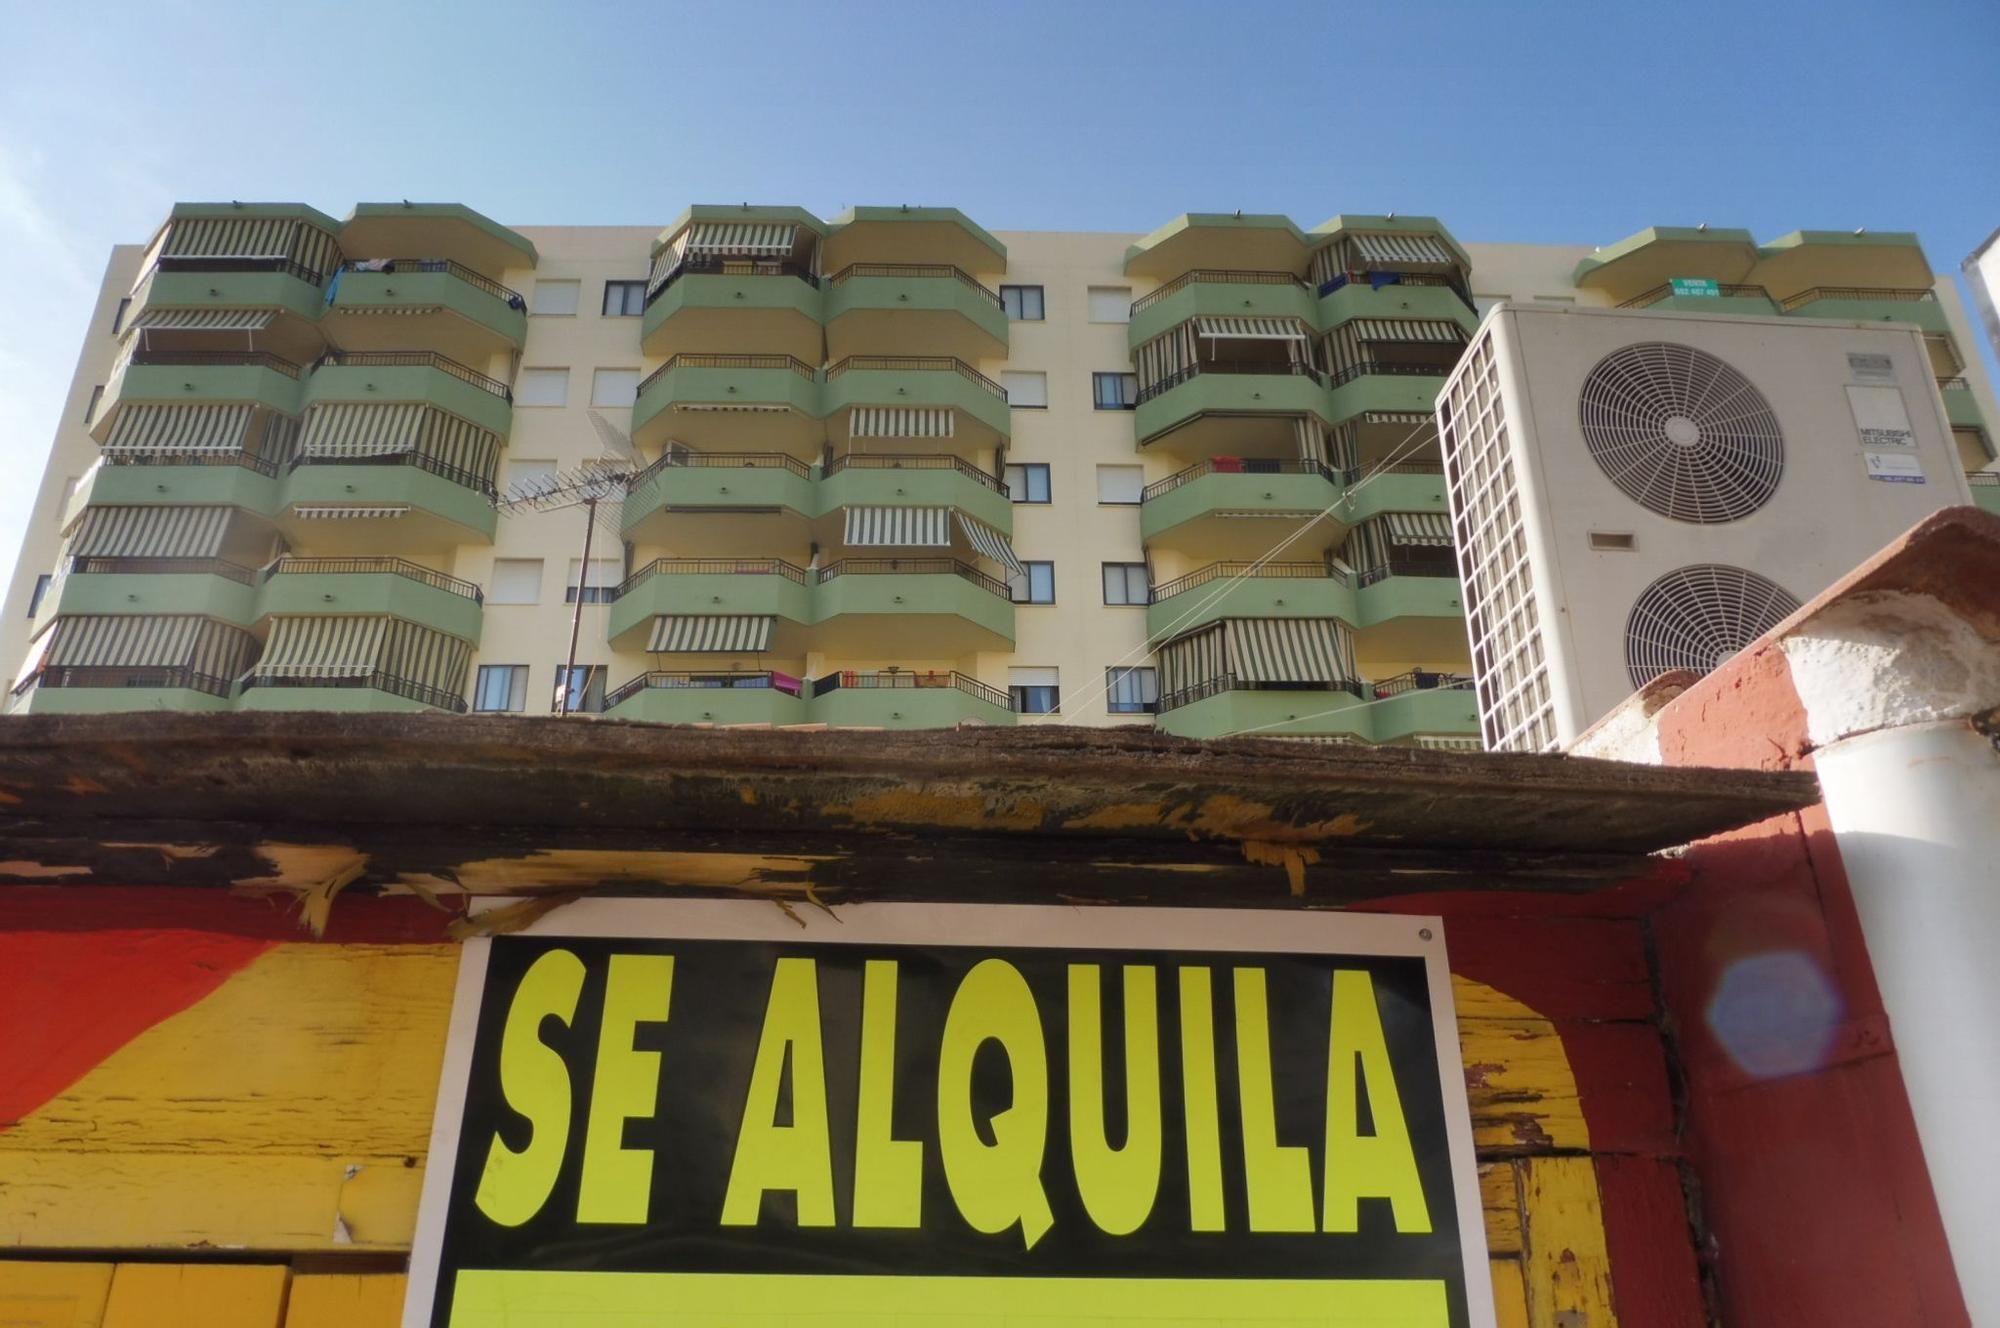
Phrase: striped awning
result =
(347, 512)
(180, 428)
(396, 310)
(666, 262)
(1379, 248)
(424, 656)
(232, 237)
(1259, 329)
(745, 238)
(1405, 329)
(329, 647)
(150, 532)
(1191, 659)
(362, 428)
(130, 641)
(990, 543)
(711, 634)
(901, 422)
(731, 407)
(459, 443)
(202, 320)
(1396, 417)
(1431, 528)
(898, 527)
(1289, 649)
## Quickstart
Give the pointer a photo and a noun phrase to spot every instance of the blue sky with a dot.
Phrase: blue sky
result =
(1557, 123)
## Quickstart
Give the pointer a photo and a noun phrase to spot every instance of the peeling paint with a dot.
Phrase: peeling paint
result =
(954, 811)
(40, 871)
(1120, 816)
(558, 869)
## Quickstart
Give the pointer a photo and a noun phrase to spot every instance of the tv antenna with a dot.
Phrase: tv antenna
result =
(598, 487)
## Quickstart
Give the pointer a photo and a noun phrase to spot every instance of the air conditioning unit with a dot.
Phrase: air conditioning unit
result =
(1633, 491)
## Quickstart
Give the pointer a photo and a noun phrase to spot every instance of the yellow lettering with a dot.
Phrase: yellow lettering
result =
(1279, 1179)
(995, 1187)
(535, 1082)
(1200, 1101)
(796, 1157)
(1118, 1185)
(1382, 1164)
(888, 1172)
(617, 1183)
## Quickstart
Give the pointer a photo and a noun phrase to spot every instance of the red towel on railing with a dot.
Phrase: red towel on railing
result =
(1229, 465)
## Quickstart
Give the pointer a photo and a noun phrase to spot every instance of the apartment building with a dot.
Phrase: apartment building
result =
(888, 470)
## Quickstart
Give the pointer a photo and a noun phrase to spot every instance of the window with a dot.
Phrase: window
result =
(1115, 391)
(1110, 304)
(1028, 482)
(41, 589)
(118, 317)
(1035, 585)
(624, 299)
(1026, 389)
(90, 411)
(542, 387)
(586, 689)
(1131, 691)
(1034, 691)
(501, 687)
(1125, 583)
(1120, 484)
(523, 474)
(600, 587)
(555, 297)
(516, 581)
(1022, 303)
(614, 387)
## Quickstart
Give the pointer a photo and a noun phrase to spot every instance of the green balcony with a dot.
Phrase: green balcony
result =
(426, 304)
(289, 289)
(978, 405)
(372, 587)
(1423, 704)
(1401, 615)
(907, 699)
(1727, 300)
(721, 698)
(1242, 389)
(1269, 714)
(1248, 590)
(210, 587)
(914, 480)
(709, 586)
(201, 378)
(1961, 405)
(736, 403)
(1219, 293)
(1861, 304)
(231, 479)
(417, 510)
(1410, 296)
(1658, 254)
(1985, 490)
(1860, 258)
(912, 309)
(1385, 387)
(1237, 508)
(438, 380)
(921, 608)
(444, 230)
(369, 696)
(78, 691)
(761, 309)
(721, 503)
(1402, 486)
(1220, 241)
(932, 235)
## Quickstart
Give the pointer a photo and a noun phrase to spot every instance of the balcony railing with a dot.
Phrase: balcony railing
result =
(963, 277)
(717, 266)
(1355, 474)
(913, 567)
(1354, 371)
(1237, 466)
(420, 359)
(1381, 277)
(458, 475)
(1438, 562)
(1983, 478)
(706, 361)
(1271, 368)
(1954, 384)
(1229, 682)
(1421, 680)
(917, 364)
(664, 680)
(212, 358)
(711, 567)
(111, 675)
(1907, 294)
(407, 688)
(169, 457)
(1667, 292)
(1249, 570)
(913, 461)
(444, 265)
(98, 565)
(906, 679)
(402, 567)
(1218, 277)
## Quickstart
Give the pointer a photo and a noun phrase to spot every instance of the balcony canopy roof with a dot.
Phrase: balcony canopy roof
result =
(1795, 262)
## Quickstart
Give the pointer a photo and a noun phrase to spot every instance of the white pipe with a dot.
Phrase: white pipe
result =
(1916, 810)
